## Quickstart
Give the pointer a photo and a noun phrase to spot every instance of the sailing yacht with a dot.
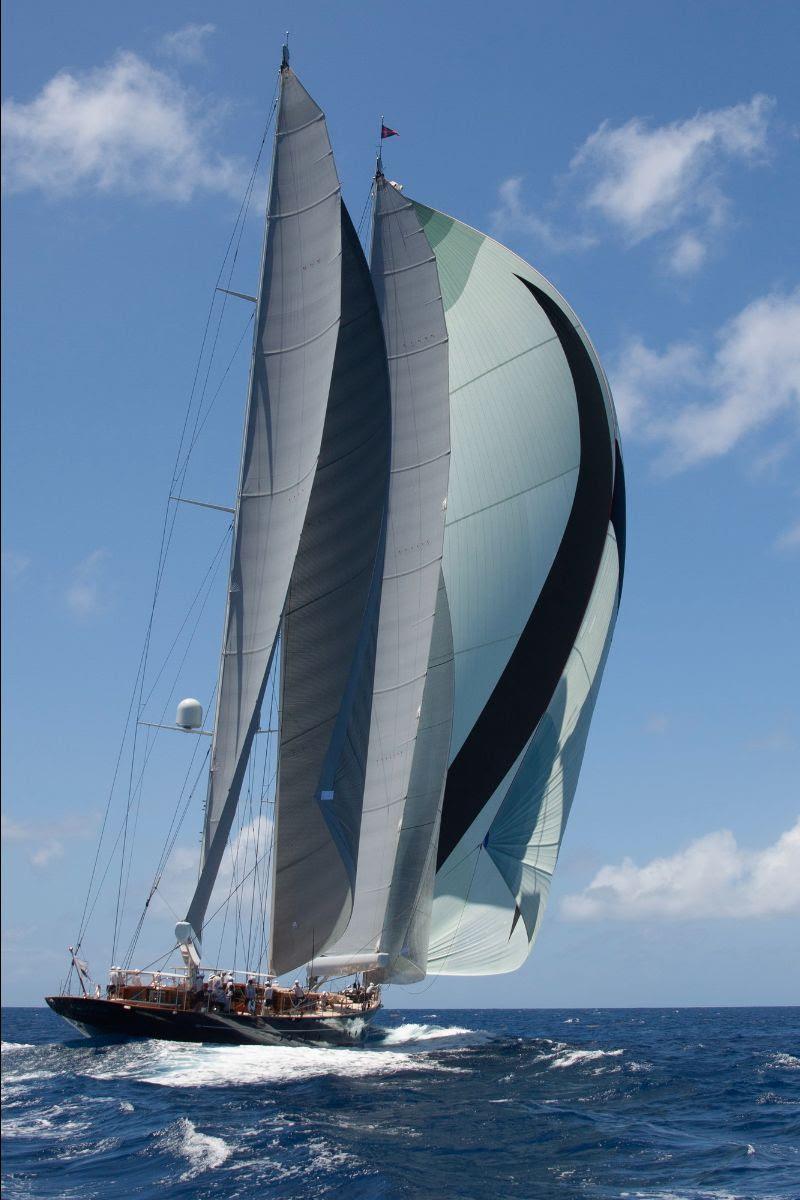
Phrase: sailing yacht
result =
(427, 554)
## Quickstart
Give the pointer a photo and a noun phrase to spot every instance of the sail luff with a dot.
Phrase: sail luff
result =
(297, 321)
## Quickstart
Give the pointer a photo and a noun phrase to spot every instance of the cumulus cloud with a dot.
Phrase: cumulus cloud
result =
(713, 877)
(44, 843)
(641, 180)
(698, 405)
(187, 44)
(124, 127)
(248, 847)
(513, 216)
(644, 180)
(84, 595)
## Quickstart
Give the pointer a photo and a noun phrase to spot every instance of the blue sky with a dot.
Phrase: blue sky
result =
(646, 159)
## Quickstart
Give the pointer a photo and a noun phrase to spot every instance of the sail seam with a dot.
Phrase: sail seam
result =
(282, 133)
(278, 491)
(411, 267)
(412, 570)
(300, 345)
(295, 212)
(504, 363)
(422, 349)
(426, 463)
(514, 496)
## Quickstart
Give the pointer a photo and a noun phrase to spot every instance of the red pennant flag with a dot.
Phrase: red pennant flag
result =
(387, 132)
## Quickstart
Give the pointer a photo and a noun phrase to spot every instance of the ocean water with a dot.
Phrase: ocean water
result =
(663, 1104)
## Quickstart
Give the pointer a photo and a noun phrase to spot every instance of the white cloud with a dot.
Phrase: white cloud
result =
(643, 180)
(513, 217)
(84, 594)
(124, 127)
(187, 44)
(697, 405)
(249, 845)
(647, 180)
(688, 253)
(789, 539)
(713, 877)
(44, 843)
(14, 565)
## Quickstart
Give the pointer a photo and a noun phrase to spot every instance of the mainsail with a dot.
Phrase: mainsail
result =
(328, 641)
(297, 326)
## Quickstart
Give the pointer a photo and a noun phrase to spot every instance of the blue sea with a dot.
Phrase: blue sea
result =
(674, 1104)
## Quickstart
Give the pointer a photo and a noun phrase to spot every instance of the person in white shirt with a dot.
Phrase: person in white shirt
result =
(297, 992)
(250, 993)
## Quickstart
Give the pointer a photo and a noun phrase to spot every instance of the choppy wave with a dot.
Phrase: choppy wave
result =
(785, 1062)
(524, 1105)
(201, 1151)
(411, 1034)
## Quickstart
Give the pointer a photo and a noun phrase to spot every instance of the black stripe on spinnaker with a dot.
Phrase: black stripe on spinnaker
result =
(524, 690)
(618, 513)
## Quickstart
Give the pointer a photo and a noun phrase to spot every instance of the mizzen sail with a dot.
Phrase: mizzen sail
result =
(412, 703)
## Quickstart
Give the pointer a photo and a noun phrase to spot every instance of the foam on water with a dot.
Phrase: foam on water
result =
(561, 1055)
(786, 1062)
(171, 1065)
(412, 1033)
(229, 1066)
(202, 1151)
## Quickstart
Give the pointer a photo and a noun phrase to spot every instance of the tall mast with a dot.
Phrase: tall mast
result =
(296, 325)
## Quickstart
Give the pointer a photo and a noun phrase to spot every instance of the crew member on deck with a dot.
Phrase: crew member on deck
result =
(297, 993)
(269, 993)
(250, 993)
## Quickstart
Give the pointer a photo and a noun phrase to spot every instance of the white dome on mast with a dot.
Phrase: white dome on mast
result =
(189, 714)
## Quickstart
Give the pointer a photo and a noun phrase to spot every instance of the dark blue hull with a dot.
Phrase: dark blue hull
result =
(113, 1018)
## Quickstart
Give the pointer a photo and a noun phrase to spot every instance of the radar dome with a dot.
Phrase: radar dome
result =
(189, 714)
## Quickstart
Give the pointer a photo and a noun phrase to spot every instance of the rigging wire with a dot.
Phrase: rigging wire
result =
(365, 240)
(217, 559)
(166, 535)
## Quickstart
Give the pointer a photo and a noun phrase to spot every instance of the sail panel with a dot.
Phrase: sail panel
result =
(534, 449)
(408, 748)
(294, 344)
(491, 893)
(329, 631)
